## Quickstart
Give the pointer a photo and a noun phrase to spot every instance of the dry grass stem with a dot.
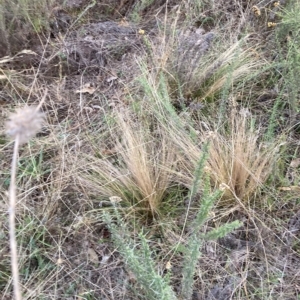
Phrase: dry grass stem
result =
(12, 230)
(22, 126)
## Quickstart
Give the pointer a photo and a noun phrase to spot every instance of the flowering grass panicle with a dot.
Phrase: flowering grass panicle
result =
(25, 123)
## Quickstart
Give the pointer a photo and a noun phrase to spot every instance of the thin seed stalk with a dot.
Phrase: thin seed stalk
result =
(12, 225)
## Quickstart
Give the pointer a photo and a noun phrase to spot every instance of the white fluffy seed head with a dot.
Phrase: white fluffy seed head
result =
(25, 123)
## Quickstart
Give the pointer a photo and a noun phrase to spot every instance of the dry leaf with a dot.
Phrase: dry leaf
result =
(86, 88)
(168, 265)
(295, 163)
(93, 256)
(256, 10)
(123, 23)
(271, 24)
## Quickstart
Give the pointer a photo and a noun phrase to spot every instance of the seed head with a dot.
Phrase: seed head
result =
(25, 123)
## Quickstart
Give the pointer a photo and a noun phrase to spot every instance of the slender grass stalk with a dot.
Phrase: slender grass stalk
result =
(12, 213)
(22, 126)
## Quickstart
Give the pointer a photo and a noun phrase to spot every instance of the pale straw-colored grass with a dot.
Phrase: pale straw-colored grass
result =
(141, 171)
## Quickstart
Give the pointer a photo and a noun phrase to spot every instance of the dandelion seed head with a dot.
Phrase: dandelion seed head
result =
(25, 123)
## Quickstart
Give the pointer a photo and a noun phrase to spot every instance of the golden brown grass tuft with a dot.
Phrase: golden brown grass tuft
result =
(236, 64)
(238, 162)
(141, 171)
(205, 63)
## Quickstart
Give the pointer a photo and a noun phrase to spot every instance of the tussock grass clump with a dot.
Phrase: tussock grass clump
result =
(212, 68)
(238, 161)
(140, 172)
